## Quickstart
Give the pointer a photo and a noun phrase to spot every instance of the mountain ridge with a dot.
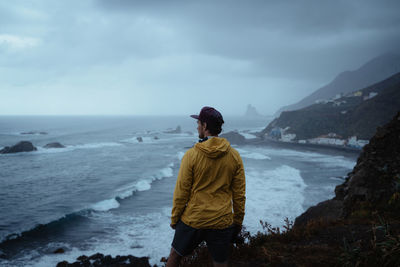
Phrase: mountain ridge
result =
(373, 71)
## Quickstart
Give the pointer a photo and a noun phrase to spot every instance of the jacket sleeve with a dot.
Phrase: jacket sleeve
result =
(239, 193)
(182, 188)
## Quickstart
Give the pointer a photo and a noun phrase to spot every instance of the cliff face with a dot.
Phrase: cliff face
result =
(374, 183)
(376, 177)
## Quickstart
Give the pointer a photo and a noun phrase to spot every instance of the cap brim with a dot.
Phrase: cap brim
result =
(195, 116)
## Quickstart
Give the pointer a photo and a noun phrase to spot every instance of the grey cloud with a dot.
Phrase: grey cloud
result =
(253, 51)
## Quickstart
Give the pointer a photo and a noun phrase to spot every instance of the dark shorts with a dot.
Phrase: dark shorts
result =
(187, 238)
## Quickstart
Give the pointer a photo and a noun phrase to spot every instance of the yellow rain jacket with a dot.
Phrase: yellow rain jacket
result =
(211, 181)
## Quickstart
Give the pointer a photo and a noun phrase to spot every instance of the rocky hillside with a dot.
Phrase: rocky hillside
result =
(372, 72)
(355, 114)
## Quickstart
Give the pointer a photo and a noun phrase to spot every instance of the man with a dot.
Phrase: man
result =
(211, 182)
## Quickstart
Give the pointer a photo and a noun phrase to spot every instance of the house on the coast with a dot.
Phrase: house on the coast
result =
(353, 142)
(371, 95)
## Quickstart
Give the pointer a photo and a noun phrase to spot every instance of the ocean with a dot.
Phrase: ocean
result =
(107, 192)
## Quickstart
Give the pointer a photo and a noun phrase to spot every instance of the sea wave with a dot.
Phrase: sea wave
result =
(68, 148)
(135, 140)
(248, 135)
(252, 154)
(272, 195)
(144, 184)
(100, 206)
(105, 205)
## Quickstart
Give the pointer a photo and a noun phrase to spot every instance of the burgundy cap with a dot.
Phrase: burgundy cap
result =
(209, 114)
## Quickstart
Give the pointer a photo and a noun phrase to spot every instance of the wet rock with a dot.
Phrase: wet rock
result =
(140, 139)
(23, 146)
(54, 145)
(63, 264)
(82, 258)
(176, 131)
(234, 138)
(99, 259)
(59, 251)
(156, 138)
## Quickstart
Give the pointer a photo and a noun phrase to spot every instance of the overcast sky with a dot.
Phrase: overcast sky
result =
(173, 57)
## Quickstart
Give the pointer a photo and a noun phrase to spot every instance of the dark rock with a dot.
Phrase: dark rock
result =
(59, 251)
(23, 146)
(140, 139)
(82, 258)
(62, 264)
(156, 137)
(54, 145)
(97, 256)
(176, 131)
(234, 138)
(327, 210)
(101, 260)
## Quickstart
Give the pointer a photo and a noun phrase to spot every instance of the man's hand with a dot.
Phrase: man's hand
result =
(236, 237)
(173, 226)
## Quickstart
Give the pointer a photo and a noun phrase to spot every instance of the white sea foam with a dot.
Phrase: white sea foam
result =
(145, 139)
(180, 155)
(327, 160)
(273, 195)
(140, 235)
(106, 205)
(248, 135)
(144, 184)
(75, 147)
(96, 145)
(251, 154)
(337, 178)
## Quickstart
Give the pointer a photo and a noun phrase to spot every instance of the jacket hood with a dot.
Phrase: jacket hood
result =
(215, 147)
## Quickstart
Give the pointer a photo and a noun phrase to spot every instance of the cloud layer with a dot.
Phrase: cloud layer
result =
(173, 57)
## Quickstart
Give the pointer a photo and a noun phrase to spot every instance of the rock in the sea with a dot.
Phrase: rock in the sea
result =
(23, 146)
(54, 145)
(176, 131)
(140, 139)
(156, 137)
(59, 251)
(234, 138)
(99, 259)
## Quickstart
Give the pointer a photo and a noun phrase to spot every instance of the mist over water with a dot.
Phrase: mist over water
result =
(107, 192)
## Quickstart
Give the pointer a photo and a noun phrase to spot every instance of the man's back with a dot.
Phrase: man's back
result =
(210, 180)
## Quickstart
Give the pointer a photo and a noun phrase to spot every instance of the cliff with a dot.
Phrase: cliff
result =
(356, 114)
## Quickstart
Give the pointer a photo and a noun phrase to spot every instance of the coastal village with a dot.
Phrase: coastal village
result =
(332, 139)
